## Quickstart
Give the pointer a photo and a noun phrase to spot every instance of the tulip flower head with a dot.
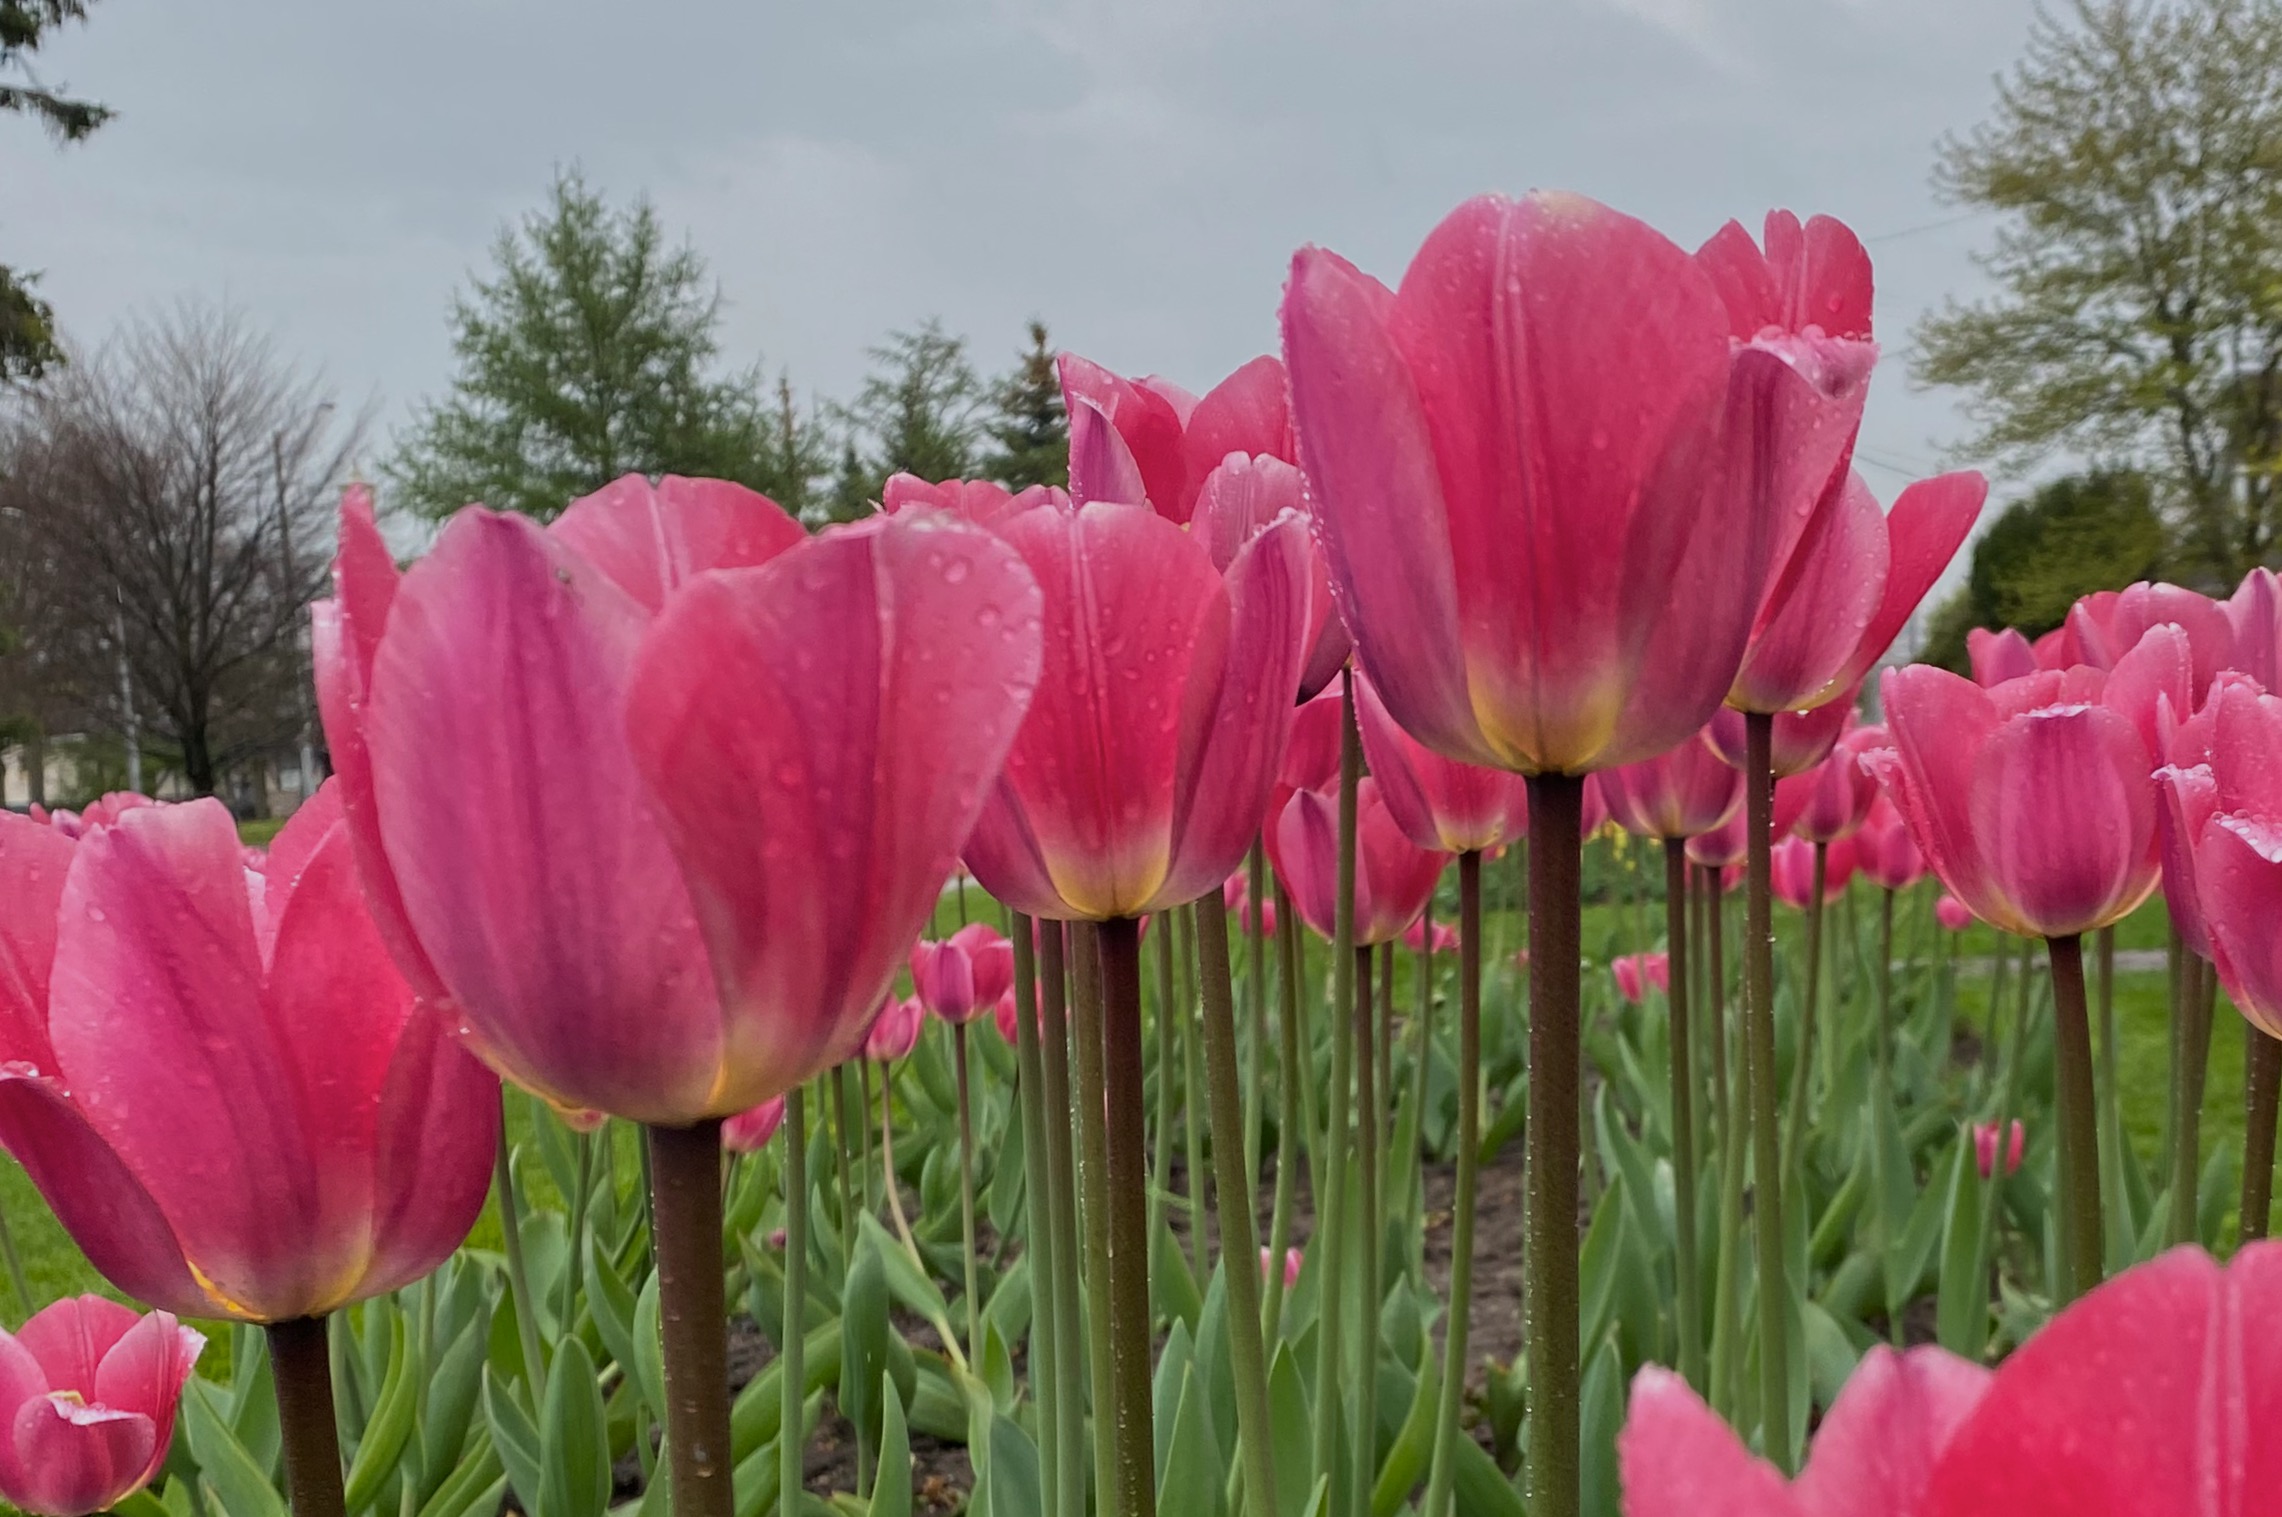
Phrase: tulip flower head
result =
(1236, 896)
(1791, 870)
(1799, 739)
(1636, 972)
(2221, 821)
(1725, 845)
(1444, 938)
(655, 798)
(1394, 877)
(1241, 497)
(1839, 790)
(219, 1079)
(964, 976)
(2107, 624)
(973, 500)
(894, 1033)
(1952, 913)
(2000, 656)
(2254, 622)
(1884, 851)
(750, 1131)
(88, 1392)
(1985, 1147)
(1440, 804)
(1681, 794)
(1293, 1258)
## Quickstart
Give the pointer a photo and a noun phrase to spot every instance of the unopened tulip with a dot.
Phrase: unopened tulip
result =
(1952, 913)
(1985, 1147)
(1241, 497)
(88, 1392)
(1839, 790)
(653, 799)
(1003, 1016)
(1725, 845)
(894, 1033)
(1885, 852)
(1143, 769)
(2254, 622)
(1394, 877)
(1636, 972)
(1160, 443)
(220, 1081)
(1236, 895)
(750, 1131)
(962, 977)
(1793, 862)
(1293, 1258)
(1440, 804)
(1444, 938)
(1681, 794)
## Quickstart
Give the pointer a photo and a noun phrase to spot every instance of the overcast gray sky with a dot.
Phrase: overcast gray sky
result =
(1136, 173)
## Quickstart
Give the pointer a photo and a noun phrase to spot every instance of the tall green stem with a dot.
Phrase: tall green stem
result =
(302, 1367)
(685, 1174)
(1734, 1101)
(792, 1442)
(1802, 1068)
(1441, 1472)
(1089, 1079)
(1192, 1083)
(2198, 997)
(518, 1270)
(1688, 1316)
(844, 1151)
(1367, 1235)
(2079, 1127)
(2262, 1081)
(1128, 1173)
(967, 1193)
(1161, 1169)
(1256, 1003)
(1038, 1190)
(1759, 1061)
(1330, 1206)
(15, 1265)
(1247, 1358)
(1291, 1077)
(1414, 1164)
(1070, 1332)
(1549, 1297)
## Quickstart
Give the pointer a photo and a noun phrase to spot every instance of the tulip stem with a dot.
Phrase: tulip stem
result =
(1423, 1055)
(2198, 988)
(1759, 1049)
(1802, 1068)
(1365, 1447)
(1233, 1197)
(1089, 1079)
(967, 1193)
(792, 1452)
(2079, 1128)
(2262, 1082)
(1442, 1470)
(1730, 1077)
(1330, 1198)
(302, 1365)
(1045, 1370)
(1290, 1079)
(864, 1126)
(1549, 1297)
(1256, 1004)
(843, 1151)
(1690, 1307)
(1069, 1332)
(518, 1272)
(685, 1171)
(1161, 1158)
(1127, 1173)
(1192, 1083)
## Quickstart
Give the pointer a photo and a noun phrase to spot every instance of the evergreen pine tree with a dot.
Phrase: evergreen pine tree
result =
(1029, 425)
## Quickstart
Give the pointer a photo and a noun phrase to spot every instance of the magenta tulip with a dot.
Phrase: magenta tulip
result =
(88, 1392)
(1515, 458)
(2032, 801)
(1985, 1147)
(1394, 877)
(2254, 625)
(1443, 939)
(749, 1131)
(1440, 804)
(1160, 443)
(2222, 825)
(654, 798)
(1999, 656)
(1793, 862)
(1143, 770)
(894, 1033)
(2106, 625)
(974, 500)
(1681, 794)
(1952, 913)
(1240, 498)
(962, 977)
(1723, 847)
(1839, 789)
(1293, 1259)
(1884, 851)
(1236, 896)
(1636, 973)
(219, 1080)
(1799, 740)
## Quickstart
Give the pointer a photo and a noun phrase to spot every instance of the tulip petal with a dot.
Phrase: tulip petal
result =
(792, 722)
(1938, 722)
(2151, 1397)
(2158, 669)
(1877, 1449)
(1102, 467)
(1929, 522)
(1248, 412)
(1378, 501)
(2238, 874)
(1998, 656)
(1146, 422)
(70, 1338)
(650, 540)
(1820, 607)
(1680, 1460)
(2066, 818)
(75, 1458)
(433, 1133)
(2188, 799)
(34, 858)
(1303, 846)
(93, 1194)
(145, 1372)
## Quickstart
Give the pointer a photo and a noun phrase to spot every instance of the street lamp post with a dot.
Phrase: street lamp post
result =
(306, 785)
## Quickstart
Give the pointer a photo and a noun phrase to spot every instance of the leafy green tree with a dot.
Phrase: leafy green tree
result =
(1029, 426)
(27, 323)
(591, 352)
(920, 411)
(2087, 532)
(2135, 156)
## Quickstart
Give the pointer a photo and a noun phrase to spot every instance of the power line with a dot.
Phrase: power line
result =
(1931, 226)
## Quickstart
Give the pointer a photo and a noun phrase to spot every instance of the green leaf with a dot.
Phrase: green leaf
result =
(1597, 1265)
(1165, 1394)
(512, 1433)
(241, 1488)
(863, 1337)
(1601, 1415)
(1293, 1432)
(1830, 1354)
(1961, 1307)
(390, 1425)
(649, 1367)
(1482, 1488)
(1406, 1463)
(575, 1481)
(1014, 1489)
(1193, 1468)
(452, 1392)
(891, 1494)
(904, 1279)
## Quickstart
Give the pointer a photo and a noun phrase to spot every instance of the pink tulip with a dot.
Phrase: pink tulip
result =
(655, 797)
(88, 1392)
(1242, 496)
(1293, 1258)
(1791, 870)
(1724, 846)
(1876, 1453)
(1444, 938)
(962, 977)
(1160, 444)
(1999, 656)
(218, 1079)
(1394, 877)
(1440, 804)
(1236, 895)
(1515, 460)
(1144, 767)
(1885, 852)
(2221, 819)
(1800, 740)
(1004, 1016)
(749, 1131)
(1681, 794)
(975, 500)
(1839, 790)
(1636, 972)
(2106, 625)
(894, 1033)
(2254, 624)
(2032, 801)
(1952, 913)
(1985, 1147)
